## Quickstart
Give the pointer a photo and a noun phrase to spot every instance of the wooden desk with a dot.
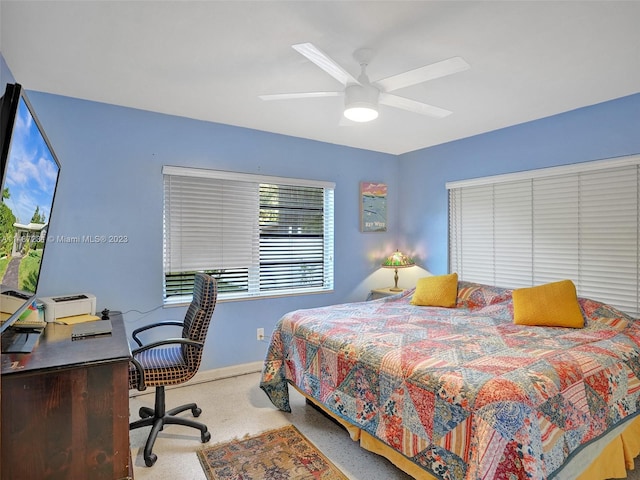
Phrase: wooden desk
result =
(65, 407)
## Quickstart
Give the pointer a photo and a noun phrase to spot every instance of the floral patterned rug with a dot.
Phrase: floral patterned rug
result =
(280, 454)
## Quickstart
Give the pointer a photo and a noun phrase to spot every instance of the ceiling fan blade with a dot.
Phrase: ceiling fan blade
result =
(325, 62)
(422, 74)
(413, 106)
(288, 96)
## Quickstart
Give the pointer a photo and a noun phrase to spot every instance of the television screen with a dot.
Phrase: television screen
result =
(30, 173)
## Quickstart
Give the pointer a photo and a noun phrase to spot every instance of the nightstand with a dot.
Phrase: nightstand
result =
(382, 292)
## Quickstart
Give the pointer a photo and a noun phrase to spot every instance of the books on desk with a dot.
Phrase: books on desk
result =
(33, 320)
(24, 338)
(31, 317)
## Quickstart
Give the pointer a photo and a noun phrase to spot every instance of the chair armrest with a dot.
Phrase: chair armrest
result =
(142, 386)
(171, 341)
(135, 333)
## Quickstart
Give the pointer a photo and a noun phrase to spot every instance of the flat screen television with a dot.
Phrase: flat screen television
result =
(29, 171)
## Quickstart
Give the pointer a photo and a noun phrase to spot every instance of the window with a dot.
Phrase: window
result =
(258, 235)
(579, 222)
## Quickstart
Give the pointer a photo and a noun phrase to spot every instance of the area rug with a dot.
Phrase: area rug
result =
(280, 454)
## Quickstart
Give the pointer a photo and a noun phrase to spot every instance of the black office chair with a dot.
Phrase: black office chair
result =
(172, 362)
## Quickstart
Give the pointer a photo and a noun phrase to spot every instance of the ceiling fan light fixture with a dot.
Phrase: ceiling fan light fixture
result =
(361, 114)
(361, 103)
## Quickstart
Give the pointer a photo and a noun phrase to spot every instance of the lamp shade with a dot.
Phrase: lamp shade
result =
(361, 103)
(397, 260)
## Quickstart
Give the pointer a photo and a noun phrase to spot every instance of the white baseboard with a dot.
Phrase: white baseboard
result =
(226, 372)
(211, 375)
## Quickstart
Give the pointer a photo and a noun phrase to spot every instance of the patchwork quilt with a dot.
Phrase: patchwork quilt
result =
(463, 392)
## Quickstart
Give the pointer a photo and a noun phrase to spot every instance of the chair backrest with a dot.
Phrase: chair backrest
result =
(198, 317)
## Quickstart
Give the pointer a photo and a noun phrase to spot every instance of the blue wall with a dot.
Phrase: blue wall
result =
(111, 184)
(606, 130)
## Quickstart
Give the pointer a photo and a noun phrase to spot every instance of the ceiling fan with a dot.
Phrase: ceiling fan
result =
(361, 96)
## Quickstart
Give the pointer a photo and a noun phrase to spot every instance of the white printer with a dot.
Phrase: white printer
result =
(56, 308)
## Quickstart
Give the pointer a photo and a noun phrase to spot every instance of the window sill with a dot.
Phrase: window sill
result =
(184, 302)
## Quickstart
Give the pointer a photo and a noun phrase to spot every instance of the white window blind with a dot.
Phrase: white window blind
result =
(512, 234)
(259, 235)
(209, 223)
(579, 222)
(555, 236)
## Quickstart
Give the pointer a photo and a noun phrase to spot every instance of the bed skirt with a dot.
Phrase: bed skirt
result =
(612, 455)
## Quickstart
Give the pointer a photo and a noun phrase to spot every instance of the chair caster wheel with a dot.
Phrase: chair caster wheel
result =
(144, 412)
(205, 437)
(150, 460)
(196, 411)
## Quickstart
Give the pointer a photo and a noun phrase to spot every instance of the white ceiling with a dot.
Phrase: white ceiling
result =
(210, 60)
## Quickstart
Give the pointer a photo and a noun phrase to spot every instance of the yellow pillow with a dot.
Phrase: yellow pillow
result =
(551, 305)
(436, 291)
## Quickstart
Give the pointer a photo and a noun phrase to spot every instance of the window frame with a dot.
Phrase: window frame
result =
(578, 221)
(172, 268)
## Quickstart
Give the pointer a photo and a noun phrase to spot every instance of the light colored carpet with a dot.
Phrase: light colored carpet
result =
(234, 407)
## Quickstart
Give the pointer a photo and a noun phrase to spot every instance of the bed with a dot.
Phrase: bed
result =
(465, 393)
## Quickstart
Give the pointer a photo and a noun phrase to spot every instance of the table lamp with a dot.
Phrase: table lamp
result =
(397, 260)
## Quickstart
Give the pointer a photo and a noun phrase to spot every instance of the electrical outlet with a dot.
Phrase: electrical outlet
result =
(260, 334)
